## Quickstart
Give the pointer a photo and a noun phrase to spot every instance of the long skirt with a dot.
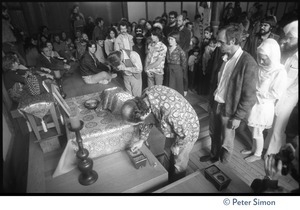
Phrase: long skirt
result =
(176, 77)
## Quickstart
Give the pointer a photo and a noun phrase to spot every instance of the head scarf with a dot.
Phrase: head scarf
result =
(291, 28)
(270, 48)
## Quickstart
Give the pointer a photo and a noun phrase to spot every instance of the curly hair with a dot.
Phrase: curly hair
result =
(141, 104)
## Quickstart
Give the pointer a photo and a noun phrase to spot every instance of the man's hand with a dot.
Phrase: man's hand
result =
(121, 67)
(137, 145)
(234, 123)
(150, 74)
(175, 150)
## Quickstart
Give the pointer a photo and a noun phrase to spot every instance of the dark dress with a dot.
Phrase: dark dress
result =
(176, 63)
(142, 53)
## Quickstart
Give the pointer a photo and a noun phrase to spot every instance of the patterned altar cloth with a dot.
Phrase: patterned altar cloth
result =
(103, 133)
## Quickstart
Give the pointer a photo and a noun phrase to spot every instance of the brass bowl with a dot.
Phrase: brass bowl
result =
(91, 103)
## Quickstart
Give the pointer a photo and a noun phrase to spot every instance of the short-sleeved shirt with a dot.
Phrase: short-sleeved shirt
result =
(174, 114)
(156, 51)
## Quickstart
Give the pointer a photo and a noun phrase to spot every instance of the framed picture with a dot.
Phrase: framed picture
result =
(60, 99)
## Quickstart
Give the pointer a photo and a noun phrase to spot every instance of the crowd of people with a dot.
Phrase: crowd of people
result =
(248, 69)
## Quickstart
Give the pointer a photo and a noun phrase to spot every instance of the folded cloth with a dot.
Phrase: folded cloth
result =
(38, 105)
(112, 99)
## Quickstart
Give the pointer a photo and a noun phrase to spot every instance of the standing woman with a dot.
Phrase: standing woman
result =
(110, 40)
(270, 85)
(75, 12)
(176, 63)
(155, 60)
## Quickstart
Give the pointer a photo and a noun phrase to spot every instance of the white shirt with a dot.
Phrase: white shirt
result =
(291, 66)
(224, 75)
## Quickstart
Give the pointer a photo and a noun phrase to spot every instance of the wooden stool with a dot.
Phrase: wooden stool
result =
(36, 129)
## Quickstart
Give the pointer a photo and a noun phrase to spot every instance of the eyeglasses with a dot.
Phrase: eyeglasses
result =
(171, 17)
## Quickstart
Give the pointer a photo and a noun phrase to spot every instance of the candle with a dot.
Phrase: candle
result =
(74, 118)
(75, 122)
(57, 74)
(44, 126)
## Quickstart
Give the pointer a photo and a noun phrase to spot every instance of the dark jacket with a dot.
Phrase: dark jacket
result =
(241, 92)
(90, 66)
(53, 64)
(185, 39)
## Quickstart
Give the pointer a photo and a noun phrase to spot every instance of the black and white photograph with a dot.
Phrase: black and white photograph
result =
(202, 97)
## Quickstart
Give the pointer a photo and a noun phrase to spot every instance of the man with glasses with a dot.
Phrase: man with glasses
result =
(266, 26)
(172, 23)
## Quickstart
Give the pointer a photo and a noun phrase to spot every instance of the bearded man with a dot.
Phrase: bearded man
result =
(289, 99)
(266, 26)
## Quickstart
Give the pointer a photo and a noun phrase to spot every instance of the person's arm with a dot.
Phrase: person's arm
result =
(83, 19)
(183, 60)
(277, 86)
(248, 89)
(144, 134)
(136, 60)
(130, 37)
(106, 46)
(117, 43)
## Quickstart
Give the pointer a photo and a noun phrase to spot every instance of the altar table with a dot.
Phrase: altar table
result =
(104, 132)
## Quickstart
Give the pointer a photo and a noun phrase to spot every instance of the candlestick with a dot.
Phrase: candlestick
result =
(58, 79)
(88, 176)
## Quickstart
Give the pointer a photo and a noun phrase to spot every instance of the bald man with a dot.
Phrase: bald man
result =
(289, 51)
(173, 116)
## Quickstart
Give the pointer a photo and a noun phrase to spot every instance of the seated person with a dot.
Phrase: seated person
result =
(54, 54)
(47, 61)
(63, 49)
(92, 71)
(31, 50)
(59, 45)
(14, 76)
(81, 46)
(172, 113)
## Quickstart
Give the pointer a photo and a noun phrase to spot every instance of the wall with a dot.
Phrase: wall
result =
(137, 10)
(56, 14)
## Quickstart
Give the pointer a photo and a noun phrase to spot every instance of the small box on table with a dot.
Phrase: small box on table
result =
(137, 158)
